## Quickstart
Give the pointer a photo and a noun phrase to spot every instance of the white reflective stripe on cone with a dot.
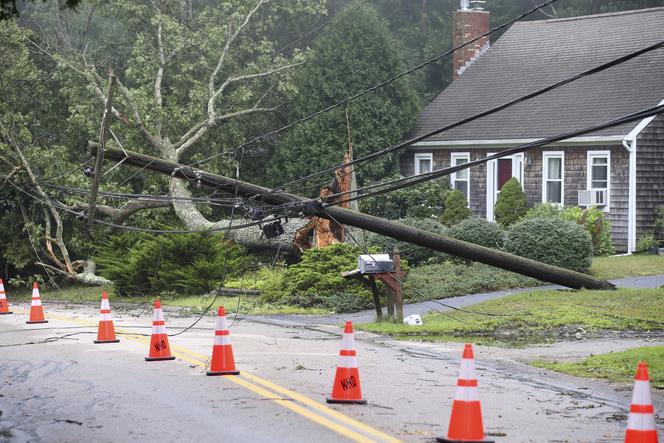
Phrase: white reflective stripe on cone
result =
(35, 292)
(467, 393)
(641, 394)
(158, 315)
(2, 296)
(158, 329)
(222, 340)
(347, 361)
(36, 302)
(105, 304)
(467, 369)
(641, 422)
(106, 317)
(220, 323)
(348, 342)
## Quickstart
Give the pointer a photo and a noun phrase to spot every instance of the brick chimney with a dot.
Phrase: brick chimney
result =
(469, 23)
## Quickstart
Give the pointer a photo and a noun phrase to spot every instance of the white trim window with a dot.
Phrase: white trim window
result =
(553, 177)
(599, 176)
(461, 180)
(423, 163)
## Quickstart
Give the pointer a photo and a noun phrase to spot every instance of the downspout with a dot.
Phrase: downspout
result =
(630, 145)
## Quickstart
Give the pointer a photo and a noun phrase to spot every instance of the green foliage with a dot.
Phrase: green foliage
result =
(450, 279)
(658, 226)
(316, 281)
(456, 208)
(413, 253)
(551, 240)
(421, 201)
(347, 58)
(480, 232)
(188, 264)
(592, 219)
(511, 204)
(646, 242)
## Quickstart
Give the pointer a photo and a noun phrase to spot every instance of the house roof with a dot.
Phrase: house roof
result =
(534, 54)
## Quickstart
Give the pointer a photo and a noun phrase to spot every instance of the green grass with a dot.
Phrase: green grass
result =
(627, 266)
(76, 294)
(614, 366)
(537, 317)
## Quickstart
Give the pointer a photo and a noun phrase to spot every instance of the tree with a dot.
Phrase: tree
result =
(193, 79)
(456, 208)
(348, 58)
(511, 204)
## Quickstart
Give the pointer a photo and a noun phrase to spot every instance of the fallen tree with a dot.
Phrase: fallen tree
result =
(285, 202)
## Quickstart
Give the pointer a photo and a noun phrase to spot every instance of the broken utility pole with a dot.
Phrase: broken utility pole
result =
(499, 259)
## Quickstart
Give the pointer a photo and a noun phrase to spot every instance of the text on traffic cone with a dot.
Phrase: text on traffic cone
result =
(346, 388)
(159, 347)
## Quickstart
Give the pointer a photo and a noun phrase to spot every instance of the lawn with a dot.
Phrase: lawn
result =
(539, 317)
(621, 266)
(614, 366)
(83, 294)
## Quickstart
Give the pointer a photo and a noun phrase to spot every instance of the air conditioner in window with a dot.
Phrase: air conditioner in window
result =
(592, 197)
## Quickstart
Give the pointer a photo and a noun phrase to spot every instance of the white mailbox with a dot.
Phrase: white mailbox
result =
(375, 263)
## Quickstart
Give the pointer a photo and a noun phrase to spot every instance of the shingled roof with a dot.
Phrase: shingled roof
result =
(533, 54)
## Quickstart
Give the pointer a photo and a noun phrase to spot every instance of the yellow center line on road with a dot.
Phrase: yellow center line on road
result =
(334, 421)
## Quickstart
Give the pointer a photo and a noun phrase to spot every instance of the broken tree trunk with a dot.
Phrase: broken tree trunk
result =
(499, 259)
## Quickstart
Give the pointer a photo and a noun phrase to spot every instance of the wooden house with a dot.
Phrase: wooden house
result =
(621, 169)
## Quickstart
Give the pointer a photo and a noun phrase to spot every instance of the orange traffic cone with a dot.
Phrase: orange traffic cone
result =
(159, 347)
(36, 309)
(346, 388)
(641, 421)
(4, 305)
(222, 362)
(466, 420)
(106, 330)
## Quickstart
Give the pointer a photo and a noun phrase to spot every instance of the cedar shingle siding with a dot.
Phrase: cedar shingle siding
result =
(649, 174)
(575, 172)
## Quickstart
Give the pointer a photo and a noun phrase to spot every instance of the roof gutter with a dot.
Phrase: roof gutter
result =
(506, 143)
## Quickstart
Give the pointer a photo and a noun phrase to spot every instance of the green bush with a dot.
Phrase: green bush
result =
(646, 241)
(187, 264)
(511, 204)
(658, 226)
(592, 219)
(317, 282)
(551, 240)
(456, 208)
(479, 231)
(414, 254)
(421, 201)
(449, 279)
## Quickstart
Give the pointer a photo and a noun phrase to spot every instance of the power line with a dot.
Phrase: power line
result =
(375, 87)
(410, 181)
(508, 104)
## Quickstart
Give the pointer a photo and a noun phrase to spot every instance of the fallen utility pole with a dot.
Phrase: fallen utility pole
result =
(499, 259)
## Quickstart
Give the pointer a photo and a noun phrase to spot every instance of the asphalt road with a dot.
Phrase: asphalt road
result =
(71, 390)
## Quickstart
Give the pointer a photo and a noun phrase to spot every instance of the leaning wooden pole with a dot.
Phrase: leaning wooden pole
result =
(493, 257)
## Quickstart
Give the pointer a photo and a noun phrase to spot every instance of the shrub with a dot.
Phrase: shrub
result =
(658, 226)
(317, 282)
(480, 232)
(414, 254)
(557, 242)
(511, 204)
(188, 264)
(449, 279)
(422, 201)
(592, 219)
(646, 242)
(456, 208)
